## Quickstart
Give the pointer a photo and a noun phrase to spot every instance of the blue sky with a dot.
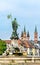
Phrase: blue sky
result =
(27, 13)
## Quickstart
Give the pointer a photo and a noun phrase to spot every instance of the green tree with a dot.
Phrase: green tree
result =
(2, 47)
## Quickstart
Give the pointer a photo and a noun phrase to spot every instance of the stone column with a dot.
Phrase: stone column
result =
(33, 50)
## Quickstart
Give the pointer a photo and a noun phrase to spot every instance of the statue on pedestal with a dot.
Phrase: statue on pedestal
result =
(14, 27)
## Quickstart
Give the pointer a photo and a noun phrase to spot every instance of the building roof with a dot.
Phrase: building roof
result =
(25, 43)
(19, 41)
(8, 41)
(28, 44)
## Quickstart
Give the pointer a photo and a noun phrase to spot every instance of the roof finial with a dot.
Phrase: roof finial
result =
(28, 34)
(36, 29)
(22, 34)
(24, 29)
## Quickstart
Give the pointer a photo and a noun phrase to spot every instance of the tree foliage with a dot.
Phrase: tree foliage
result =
(2, 47)
(9, 16)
